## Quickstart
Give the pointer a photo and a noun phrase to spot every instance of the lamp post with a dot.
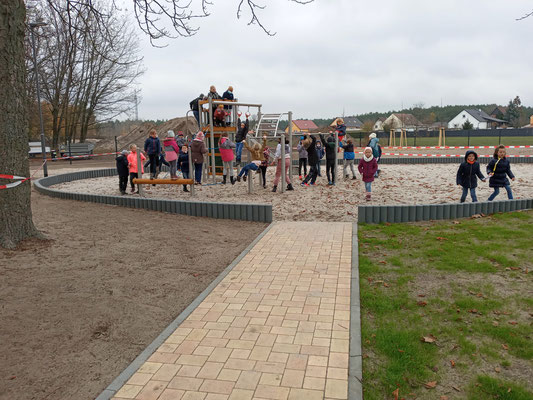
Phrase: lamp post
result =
(34, 25)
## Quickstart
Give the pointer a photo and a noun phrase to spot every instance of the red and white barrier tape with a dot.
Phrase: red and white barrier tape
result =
(447, 155)
(452, 147)
(19, 179)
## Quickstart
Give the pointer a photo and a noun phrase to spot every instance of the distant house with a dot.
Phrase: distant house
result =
(478, 118)
(498, 112)
(378, 125)
(302, 125)
(530, 123)
(352, 123)
(400, 121)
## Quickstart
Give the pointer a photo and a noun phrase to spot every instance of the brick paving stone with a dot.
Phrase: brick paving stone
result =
(276, 327)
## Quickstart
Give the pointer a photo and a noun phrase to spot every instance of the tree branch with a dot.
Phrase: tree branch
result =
(525, 16)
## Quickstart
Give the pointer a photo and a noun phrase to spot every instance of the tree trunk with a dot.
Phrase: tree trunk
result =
(15, 204)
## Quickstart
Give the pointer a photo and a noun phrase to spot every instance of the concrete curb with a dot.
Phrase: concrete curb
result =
(355, 367)
(237, 211)
(426, 212)
(120, 380)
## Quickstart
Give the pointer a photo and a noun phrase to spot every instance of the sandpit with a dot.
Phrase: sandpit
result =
(397, 184)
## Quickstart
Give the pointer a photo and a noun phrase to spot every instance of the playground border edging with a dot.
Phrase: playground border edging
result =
(355, 365)
(127, 373)
(427, 212)
(238, 211)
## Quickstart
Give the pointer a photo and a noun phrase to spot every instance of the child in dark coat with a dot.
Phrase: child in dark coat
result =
(467, 175)
(498, 170)
(183, 163)
(368, 167)
(123, 171)
(329, 146)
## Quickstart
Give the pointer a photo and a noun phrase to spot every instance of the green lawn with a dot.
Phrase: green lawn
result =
(455, 141)
(447, 308)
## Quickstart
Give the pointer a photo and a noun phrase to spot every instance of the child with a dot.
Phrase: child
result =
(376, 148)
(256, 150)
(181, 140)
(183, 162)
(349, 157)
(302, 158)
(152, 147)
(498, 169)
(264, 164)
(219, 116)
(310, 144)
(240, 137)
(368, 167)
(329, 145)
(132, 165)
(198, 150)
(171, 151)
(341, 129)
(467, 175)
(320, 154)
(226, 153)
(277, 157)
(123, 171)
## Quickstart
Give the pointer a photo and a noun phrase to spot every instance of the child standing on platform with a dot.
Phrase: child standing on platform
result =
(498, 170)
(183, 162)
(171, 151)
(152, 147)
(368, 167)
(467, 175)
(132, 165)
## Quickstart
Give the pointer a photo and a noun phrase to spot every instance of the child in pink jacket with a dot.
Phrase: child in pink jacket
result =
(132, 165)
(171, 153)
(226, 153)
(368, 167)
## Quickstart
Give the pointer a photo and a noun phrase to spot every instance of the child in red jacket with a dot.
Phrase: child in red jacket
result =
(368, 167)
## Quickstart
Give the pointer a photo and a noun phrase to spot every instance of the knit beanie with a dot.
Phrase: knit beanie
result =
(199, 136)
(372, 135)
(170, 134)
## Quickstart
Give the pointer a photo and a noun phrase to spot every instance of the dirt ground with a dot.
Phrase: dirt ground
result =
(397, 184)
(77, 308)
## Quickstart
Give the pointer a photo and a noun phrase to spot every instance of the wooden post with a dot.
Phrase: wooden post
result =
(403, 138)
(335, 169)
(290, 146)
(139, 172)
(250, 175)
(283, 162)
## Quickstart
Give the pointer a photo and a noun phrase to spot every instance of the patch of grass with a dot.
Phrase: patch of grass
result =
(490, 388)
(472, 317)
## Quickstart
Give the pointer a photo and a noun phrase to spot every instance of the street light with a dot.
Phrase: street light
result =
(34, 25)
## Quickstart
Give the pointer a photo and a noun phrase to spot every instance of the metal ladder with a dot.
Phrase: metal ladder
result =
(268, 125)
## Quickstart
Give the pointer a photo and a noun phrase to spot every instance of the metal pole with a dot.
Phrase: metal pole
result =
(116, 145)
(250, 176)
(336, 157)
(191, 170)
(69, 151)
(212, 145)
(283, 163)
(139, 172)
(290, 147)
(469, 138)
(43, 144)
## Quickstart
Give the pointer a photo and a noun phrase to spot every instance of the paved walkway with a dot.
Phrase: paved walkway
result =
(276, 327)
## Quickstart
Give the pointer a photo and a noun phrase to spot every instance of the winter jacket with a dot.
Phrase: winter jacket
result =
(329, 145)
(348, 151)
(302, 152)
(122, 165)
(256, 154)
(171, 149)
(152, 146)
(320, 152)
(227, 95)
(277, 155)
(266, 156)
(373, 144)
(501, 168)
(368, 169)
(242, 132)
(132, 161)
(183, 162)
(226, 146)
(341, 129)
(467, 173)
(219, 115)
(198, 150)
(310, 145)
(194, 104)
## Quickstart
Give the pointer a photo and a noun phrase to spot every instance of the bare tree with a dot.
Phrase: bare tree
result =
(152, 16)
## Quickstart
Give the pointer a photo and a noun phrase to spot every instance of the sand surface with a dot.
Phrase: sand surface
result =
(398, 184)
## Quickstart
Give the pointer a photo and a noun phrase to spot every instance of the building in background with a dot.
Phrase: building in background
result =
(302, 125)
(478, 118)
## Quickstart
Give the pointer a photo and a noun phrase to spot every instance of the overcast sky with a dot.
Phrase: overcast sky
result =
(352, 55)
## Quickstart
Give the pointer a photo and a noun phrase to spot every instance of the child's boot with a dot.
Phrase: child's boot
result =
(223, 179)
(368, 196)
(232, 180)
(289, 187)
(185, 188)
(275, 188)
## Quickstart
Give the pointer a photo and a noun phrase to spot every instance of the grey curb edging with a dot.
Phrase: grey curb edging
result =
(237, 211)
(426, 212)
(120, 380)
(355, 367)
